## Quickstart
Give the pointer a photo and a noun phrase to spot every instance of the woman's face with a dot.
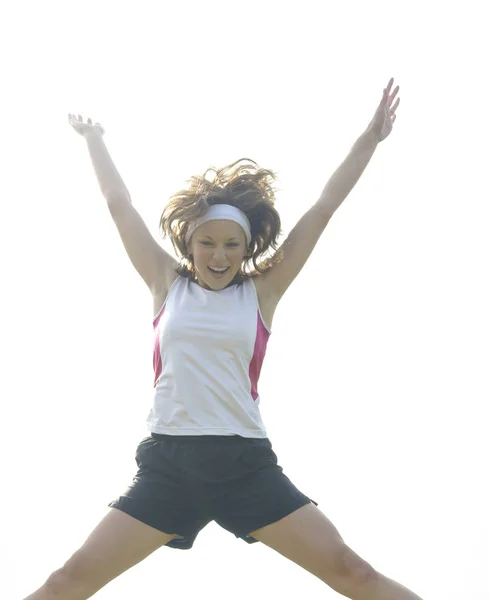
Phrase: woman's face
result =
(218, 245)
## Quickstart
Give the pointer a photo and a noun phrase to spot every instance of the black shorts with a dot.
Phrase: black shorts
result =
(185, 482)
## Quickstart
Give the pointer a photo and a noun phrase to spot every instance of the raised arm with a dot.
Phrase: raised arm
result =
(303, 238)
(156, 267)
(344, 179)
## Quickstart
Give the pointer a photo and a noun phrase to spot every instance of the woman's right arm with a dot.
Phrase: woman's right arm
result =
(156, 267)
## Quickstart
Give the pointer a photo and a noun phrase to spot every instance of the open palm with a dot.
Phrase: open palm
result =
(84, 127)
(385, 115)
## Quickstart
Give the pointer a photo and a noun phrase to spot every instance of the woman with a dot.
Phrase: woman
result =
(208, 457)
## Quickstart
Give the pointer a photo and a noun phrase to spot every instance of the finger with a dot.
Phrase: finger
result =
(80, 118)
(389, 85)
(394, 108)
(393, 95)
(89, 121)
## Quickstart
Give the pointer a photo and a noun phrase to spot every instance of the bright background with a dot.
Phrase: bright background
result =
(374, 390)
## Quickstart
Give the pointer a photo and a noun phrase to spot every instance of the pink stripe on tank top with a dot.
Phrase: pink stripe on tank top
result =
(262, 336)
(157, 366)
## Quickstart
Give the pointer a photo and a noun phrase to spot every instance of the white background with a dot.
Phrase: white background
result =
(374, 390)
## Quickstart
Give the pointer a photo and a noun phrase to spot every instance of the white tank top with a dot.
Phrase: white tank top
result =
(208, 353)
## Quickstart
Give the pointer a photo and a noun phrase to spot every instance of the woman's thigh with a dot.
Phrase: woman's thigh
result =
(117, 543)
(308, 538)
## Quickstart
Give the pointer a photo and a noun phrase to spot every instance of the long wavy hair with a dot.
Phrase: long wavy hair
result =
(242, 184)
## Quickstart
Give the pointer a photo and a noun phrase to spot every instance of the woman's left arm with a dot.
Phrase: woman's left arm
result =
(348, 173)
(304, 236)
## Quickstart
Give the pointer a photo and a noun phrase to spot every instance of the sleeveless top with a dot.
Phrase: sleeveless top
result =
(208, 353)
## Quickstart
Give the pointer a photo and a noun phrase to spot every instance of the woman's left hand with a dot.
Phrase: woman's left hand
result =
(385, 115)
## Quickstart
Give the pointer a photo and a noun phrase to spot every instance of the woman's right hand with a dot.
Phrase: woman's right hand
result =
(84, 128)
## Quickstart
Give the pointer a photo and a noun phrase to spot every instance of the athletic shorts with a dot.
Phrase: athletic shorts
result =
(185, 482)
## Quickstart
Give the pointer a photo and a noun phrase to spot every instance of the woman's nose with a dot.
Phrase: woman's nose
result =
(219, 253)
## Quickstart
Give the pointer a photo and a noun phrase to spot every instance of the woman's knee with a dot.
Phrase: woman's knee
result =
(74, 581)
(59, 585)
(350, 572)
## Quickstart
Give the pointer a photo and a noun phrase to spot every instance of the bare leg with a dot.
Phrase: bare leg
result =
(118, 543)
(383, 588)
(308, 538)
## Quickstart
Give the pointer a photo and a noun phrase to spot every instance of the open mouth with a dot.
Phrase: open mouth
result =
(218, 272)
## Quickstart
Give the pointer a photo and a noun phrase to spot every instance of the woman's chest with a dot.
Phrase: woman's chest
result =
(217, 321)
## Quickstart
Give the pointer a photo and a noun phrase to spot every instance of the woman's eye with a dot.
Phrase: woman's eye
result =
(233, 245)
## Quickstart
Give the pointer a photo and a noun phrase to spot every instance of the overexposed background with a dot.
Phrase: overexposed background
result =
(374, 389)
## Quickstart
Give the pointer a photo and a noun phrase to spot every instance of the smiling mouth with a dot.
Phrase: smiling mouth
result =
(218, 273)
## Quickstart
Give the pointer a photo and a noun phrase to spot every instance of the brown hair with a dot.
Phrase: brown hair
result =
(242, 184)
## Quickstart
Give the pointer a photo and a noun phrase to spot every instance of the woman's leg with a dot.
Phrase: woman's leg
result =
(309, 539)
(118, 543)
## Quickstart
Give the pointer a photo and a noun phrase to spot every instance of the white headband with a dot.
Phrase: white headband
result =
(222, 212)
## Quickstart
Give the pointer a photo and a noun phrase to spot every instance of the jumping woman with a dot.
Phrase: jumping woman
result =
(208, 457)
